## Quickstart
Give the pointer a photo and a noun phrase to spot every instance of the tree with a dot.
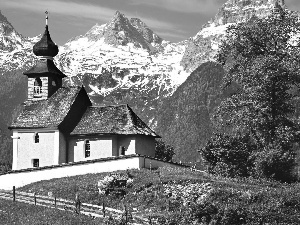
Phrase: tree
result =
(262, 58)
(163, 151)
(229, 156)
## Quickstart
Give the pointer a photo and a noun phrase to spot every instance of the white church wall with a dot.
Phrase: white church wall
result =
(25, 148)
(15, 138)
(100, 147)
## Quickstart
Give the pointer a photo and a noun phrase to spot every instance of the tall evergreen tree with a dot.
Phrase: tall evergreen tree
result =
(262, 58)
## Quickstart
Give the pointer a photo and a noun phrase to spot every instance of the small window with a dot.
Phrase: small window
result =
(37, 88)
(35, 162)
(36, 138)
(53, 83)
(87, 148)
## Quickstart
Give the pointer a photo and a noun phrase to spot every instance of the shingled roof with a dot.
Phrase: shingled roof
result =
(44, 68)
(118, 119)
(48, 113)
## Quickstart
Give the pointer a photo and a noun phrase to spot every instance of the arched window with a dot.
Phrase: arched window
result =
(37, 88)
(87, 149)
(36, 138)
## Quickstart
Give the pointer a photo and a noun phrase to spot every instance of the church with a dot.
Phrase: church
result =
(59, 125)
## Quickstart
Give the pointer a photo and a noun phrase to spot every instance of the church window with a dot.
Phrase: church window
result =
(87, 148)
(35, 162)
(36, 138)
(37, 88)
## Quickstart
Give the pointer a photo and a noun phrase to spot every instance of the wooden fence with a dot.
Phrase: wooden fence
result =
(63, 204)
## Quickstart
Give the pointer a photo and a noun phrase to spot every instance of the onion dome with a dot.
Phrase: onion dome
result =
(45, 47)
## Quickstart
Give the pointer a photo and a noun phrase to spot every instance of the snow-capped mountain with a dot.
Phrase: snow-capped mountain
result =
(205, 44)
(124, 61)
(15, 50)
(129, 51)
(10, 39)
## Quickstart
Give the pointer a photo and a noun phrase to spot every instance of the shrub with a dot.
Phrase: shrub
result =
(276, 163)
(110, 182)
(163, 151)
(229, 156)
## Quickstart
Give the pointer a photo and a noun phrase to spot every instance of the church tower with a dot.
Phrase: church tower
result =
(44, 78)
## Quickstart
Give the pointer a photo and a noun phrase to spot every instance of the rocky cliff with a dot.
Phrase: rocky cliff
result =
(204, 45)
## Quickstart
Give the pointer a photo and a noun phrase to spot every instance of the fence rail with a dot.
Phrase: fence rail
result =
(63, 204)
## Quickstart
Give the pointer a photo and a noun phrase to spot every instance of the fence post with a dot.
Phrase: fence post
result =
(126, 216)
(34, 194)
(14, 193)
(103, 208)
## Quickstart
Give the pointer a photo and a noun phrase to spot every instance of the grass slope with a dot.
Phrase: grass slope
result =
(230, 201)
(26, 214)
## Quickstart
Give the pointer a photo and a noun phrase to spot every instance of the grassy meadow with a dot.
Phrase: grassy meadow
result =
(182, 196)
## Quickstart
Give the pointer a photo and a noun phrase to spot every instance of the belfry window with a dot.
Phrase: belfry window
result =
(37, 88)
(87, 149)
(36, 138)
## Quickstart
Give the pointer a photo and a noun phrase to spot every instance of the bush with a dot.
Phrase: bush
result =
(229, 156)
(163, 151)
(274, 162)
(233, 216)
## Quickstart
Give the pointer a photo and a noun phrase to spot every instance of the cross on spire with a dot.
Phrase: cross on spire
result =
(46, 17)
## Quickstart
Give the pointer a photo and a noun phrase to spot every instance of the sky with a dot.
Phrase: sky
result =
(173, 20)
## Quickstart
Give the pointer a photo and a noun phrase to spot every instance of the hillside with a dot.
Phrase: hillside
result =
(186, 114)
(184, 196)
(13, 92)
(25, 214)
(124, 61)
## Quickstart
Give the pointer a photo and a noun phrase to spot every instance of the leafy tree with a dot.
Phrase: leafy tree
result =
(163, 151)
(229, 156)
(262, 58)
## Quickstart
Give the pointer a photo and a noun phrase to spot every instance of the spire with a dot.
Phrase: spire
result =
(44, 78)
(46, 18)
(45, 48)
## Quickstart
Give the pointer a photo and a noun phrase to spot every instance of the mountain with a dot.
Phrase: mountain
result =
(184, 118)
(122, 31)
(15, 54)
(205, 44)
(15, 50)
(11, 39)
(124, 61)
